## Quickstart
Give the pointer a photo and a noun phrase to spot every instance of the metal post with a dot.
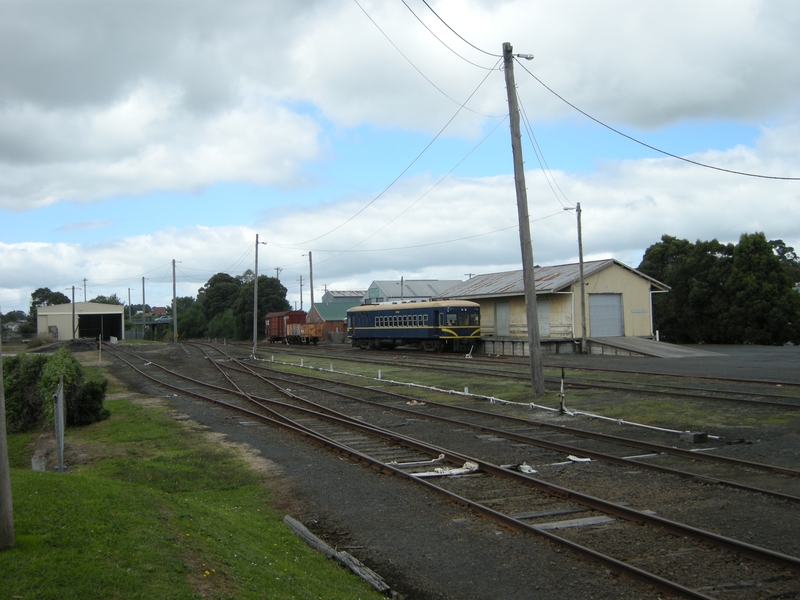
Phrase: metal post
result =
(301, 292)
(58, 418)
(6, 507)
(143, 311)
(174, 306)
(537, 372)
(73, 312)
(583, 287)
(311, 281)
(255, 303)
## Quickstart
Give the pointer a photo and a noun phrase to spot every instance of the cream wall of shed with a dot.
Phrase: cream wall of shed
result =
(635, 290)
(62, 321)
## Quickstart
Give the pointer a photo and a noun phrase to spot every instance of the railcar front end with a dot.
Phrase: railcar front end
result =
(433, 326)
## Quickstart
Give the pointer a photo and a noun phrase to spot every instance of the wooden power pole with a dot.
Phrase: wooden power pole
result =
(535, 351)
(6, 508)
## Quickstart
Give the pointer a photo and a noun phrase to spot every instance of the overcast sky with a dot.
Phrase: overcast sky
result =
(133, 134)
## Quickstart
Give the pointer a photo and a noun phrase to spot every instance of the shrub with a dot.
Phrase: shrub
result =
(31, 380)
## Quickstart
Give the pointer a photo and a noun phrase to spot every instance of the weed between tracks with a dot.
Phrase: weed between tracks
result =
(152, 508)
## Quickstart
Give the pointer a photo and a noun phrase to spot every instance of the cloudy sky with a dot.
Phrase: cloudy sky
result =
(369, 133)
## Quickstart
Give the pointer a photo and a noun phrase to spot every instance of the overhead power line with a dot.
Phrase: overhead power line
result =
(441, 41)
(458, 34)
(646, 145)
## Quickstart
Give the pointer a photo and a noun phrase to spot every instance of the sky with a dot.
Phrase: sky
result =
(373, 135)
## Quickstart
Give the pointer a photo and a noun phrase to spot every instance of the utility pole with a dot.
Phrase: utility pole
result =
(73, 312)
(174, 306)
(583, 286)
(311, 280)
(143, 311)
(6, 508)
(301, 292)
(130, 318)
(255, 301)
(278, 273)
(535, 351)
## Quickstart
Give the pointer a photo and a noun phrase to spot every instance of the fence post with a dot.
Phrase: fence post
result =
(58, 417)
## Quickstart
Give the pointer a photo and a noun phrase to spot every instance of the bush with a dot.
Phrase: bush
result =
(31, 380)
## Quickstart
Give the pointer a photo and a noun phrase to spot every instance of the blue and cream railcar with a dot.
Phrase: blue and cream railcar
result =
(433, 326)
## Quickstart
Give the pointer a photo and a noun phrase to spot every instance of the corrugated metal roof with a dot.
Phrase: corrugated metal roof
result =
(413, 288)
(548, 280)
(355, 294)
(334, 311)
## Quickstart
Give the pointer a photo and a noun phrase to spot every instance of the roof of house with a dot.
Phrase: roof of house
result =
(334, 311)
(413, 288)
(548, 280)
(354, 294)
(80, 308)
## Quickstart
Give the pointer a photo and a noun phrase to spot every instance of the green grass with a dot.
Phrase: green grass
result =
(157, 512)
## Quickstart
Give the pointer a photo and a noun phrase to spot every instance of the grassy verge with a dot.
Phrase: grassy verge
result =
(155, 511)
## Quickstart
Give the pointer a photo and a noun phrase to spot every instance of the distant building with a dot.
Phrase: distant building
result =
(333, 316)
(617, 303)
(91, 320)
(412, 290)
(331, 296)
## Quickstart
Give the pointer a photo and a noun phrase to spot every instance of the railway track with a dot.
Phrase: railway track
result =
(664, 385)
(514, 498)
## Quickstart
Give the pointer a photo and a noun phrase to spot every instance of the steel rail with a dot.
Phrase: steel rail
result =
(642, 445)
(563, 448)
(715, 395)
(679, 529)
(580, 498)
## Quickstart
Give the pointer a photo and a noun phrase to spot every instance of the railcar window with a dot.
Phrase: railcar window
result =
(451, 319)
(424, 319)
(475, 319)
(414, 320)
(463, 319)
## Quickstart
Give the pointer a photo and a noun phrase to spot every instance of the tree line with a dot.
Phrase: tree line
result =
(725, 293)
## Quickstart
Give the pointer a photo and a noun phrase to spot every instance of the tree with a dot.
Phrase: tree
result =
(218, 295)
(271, 298)
(764, 309)
(13, 316)
(723, 293)
(788, 258)
(112, 299)
(46, 297)
(191, 321)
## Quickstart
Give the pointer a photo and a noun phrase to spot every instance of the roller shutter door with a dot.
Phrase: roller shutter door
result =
(605, 315)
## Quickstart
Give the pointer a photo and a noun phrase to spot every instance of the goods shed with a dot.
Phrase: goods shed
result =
(617, 303)
(90, 320)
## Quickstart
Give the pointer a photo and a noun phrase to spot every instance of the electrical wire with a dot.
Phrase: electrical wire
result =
(458, 34)
(440, 90)
(403, 172)
(537, 150)
(441, 41)
(646, 145)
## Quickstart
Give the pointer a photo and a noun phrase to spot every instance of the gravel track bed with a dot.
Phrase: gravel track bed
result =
(426, 548)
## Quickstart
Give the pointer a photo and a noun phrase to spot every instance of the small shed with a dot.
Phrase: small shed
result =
(333, 317)
(412, 290)
(617, 302)
(348, 296)
(81, 320)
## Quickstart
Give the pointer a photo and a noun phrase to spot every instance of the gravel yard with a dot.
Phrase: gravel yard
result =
(426, 548)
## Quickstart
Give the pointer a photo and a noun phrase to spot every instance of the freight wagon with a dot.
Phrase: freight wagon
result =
(290, 327)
